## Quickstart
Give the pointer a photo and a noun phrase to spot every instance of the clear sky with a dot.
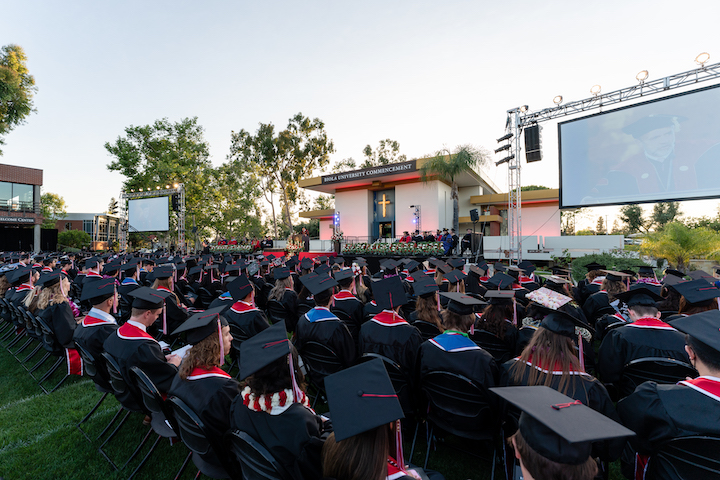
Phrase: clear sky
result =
(425, 73)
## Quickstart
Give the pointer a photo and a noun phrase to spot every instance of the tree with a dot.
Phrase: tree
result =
(17, 88)
(52, 207)
(567, 220)
(664, 213)
(615, 228)
(324, 202)
(164, 153)
(600, 229)
(286, 157)
(74, 238)
(678, 244)
(449, 166)
(532, 188)
(387, 151)
(234, 211)
(632, 217)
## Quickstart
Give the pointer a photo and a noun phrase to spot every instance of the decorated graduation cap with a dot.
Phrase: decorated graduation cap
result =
(615, 276)
(697, 292)
(240, 288)
(595, 266)
(97, 291)
(203, 324)
(640, 294)
(558, 427)
(501, 280)
(461, 303)
(344, 274)
(361, 398)
(499, 297)
(652, 122)
(425, 287)
(280, 273)
(454, 276)
(389, 293)
(703, 326)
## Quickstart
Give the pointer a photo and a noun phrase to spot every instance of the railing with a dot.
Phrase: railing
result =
(14, 206)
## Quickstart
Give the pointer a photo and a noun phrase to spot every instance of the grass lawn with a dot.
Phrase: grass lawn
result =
(39, 438)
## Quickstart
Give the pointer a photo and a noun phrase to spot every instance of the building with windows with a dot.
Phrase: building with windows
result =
(20, 215)
(103, 228)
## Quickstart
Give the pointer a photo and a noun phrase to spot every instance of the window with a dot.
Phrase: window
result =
(88, 226)
(68, 226)
(5, 193)
(17, 196)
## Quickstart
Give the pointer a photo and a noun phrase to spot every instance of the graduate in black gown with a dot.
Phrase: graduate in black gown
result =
(98, 324)
(201, 383)
(346, 301)
(644, 336)
(497, 318)
(284, 292)
(427, 303)
(658, 413)
(273, 407)
(131, 346)
(244, 318)
(55, 309)
(605, 300)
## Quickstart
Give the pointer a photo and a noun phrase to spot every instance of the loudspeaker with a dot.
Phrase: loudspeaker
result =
(175, 202)
(533, 144)
(474, 217)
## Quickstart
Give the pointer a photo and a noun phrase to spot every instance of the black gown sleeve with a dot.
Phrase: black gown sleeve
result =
(611, 357)
(151, 360)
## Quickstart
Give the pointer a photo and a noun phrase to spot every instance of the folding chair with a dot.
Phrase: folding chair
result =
(494, 345)
(686, 458)
(91, 370)
(256, 462)
(661, 370)
(320, 361)
(427, 330)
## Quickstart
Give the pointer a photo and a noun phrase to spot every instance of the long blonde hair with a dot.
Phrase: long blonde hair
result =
(50, 296)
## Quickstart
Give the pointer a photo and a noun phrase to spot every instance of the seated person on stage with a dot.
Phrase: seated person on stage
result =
(556, 435)
(273, 408)
(551, 359)
(658, 413)
(367, 439)
(243, 314)
(387, 333)
(200, 382)
(132, 346)
(98, 324)
(284, 292)
(346, 301)
(497, 318)
(320, 325)
(644, 336)
(427, 302)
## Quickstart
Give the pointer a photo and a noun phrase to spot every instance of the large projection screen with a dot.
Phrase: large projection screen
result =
(148, 214)
(662, 150)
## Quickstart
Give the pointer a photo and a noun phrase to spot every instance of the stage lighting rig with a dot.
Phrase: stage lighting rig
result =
(523, 109)
(642, 76)
(504, 160)
(505, 137)
(702, 59)
(504, 147)
(595, 90)
(557, 100)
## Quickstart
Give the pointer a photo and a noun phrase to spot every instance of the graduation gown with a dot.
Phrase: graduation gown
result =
(246, 317)
(371, 309)
(225, 300)
(658, 413)
(596, 305)
(320, 325)
(290, 302)
(18, 296)
(456, 353)
(175, 314)
(131, 346)
(510, 338)
(647, 337)
(389, 335)
(583, 387)
(293, 435)
(353, 307)
(91, 334)
(209, 392)
(60, 318)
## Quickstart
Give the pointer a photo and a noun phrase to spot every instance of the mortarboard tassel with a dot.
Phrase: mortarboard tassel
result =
(581, 351)
(115, 302)
(515, 319)
(296, 390)
(222, 344)
(399, 456)
(164, 329)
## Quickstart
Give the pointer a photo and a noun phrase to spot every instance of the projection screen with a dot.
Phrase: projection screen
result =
(148, 214)
(662, 150)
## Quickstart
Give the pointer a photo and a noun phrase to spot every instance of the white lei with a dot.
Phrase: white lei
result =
(279, 401)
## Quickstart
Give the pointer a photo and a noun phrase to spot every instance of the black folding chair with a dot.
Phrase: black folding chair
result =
(91, 370)
(661, 370)
(255, 461)
(239, 335)
(205, 298)
(207, 456)
(451, 395)
(494, 345)
(320, 361)
(276, 311)
(696, 457)
(427, 330)
(347, 320)
(52, 346)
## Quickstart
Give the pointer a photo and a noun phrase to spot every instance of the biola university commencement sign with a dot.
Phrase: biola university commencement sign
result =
(370, 172)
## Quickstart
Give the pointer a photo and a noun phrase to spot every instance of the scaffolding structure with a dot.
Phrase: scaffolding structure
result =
(162, 192)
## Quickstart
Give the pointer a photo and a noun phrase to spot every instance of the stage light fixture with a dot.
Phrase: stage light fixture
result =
(175, 185)
(157, 188)
(702, 59)
(140, 190)
(557, 100)
(504, 160)
(167, 186)
(523, 109)
(595, 90)
(504, 147)
(507, 136)
(642, 76)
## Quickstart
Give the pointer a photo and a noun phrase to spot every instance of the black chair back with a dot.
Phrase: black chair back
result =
(116, 379)
(451, 395)
(254, 459)
(400, 381)
(153, 400)
(493, 345)
(427, 330)
(347, 321)
(686, 458)
(666, 371)
(667, 313)
(276, 311)
(205, 297)
(50, 344)
(89, 366)
(320, 360)
(191, 428)
(239, 335)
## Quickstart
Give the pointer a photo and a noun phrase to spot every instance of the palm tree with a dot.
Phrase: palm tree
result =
(679, 243)
(449, 166)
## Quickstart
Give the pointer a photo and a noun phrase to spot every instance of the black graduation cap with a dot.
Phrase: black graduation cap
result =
(697, 291)
(640, 294)
(132, 265)
(652, 122)
(701, 275)
(478, 270)
(361, 398)
(614, 276)
(147, 261)
(146, 298)
(455, 276)
(343, 274)
(558, 427)
(92, 262)
(291, 263)
(671, 280)
(262, 349)
(420, 275)
(562, 322)
(321, 269)
(195, 270)
(499, 267)
(631, 273)
(202, 325)
(361, 262)
(240, 288)
(527, 266)
(166, 271)
(319, 283)
(425, 287)
(645, 270)
(111, 268)
(281, 272)
(411, 265)
(675, 273)
(560, 271)
(389, 293)
(456, 262)
(499, 297)
(19, 275)
(232, 269)
(98, 290)
(556, 279)
(338, 260)
(306, 263)
(322, 259)
(501, 280)
(703, 326)
(389, 264)
(433, 261)
(51, 278)
(444, 267)
(595, 266)
(461, 303)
